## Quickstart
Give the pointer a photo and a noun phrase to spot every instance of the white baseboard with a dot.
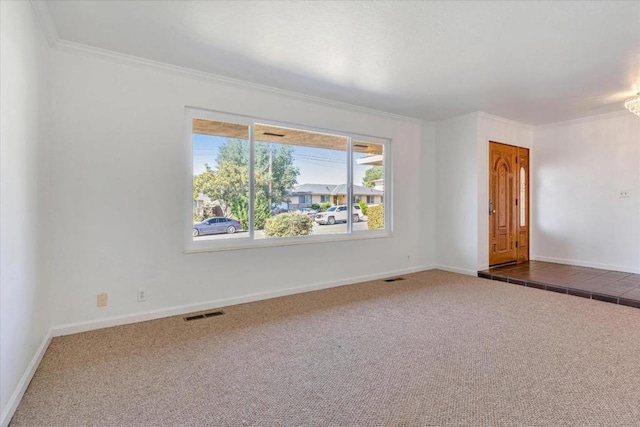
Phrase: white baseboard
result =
(580, 263)
(457, 270)
(15, 398)
(73, 328)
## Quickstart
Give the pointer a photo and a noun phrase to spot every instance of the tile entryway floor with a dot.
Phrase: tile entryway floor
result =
(604, 285)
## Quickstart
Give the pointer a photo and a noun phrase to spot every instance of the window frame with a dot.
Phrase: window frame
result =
(192, 246)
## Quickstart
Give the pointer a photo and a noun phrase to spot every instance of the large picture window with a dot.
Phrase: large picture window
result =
(254, 182)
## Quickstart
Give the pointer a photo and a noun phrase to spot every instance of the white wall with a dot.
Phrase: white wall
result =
(579, 169)
(427, 195)
(25, 319)
(117, 193)
(457, 194)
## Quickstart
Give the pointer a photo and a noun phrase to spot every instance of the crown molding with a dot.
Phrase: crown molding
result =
(121, 58)
(46, 22)
(504, 120)
(479, 114)
(579, 120)
(457, 118)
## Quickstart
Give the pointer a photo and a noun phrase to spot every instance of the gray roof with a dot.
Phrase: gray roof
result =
(333, 190)
(312, 189)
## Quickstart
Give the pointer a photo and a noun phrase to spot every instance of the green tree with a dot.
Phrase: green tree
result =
(204, 183)
(235, 151)
(274, 172)
(274, 176)
(371, 174)
(363, 207)
(240, 211)
(222, 185)
(274, 165)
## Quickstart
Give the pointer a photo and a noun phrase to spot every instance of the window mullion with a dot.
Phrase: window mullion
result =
(252, 150)
(349, 185)
(386, 182)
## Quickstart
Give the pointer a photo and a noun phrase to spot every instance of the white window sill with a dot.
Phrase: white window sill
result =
(239, 244)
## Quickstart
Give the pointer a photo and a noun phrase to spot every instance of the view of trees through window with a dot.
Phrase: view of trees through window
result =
(299, 182)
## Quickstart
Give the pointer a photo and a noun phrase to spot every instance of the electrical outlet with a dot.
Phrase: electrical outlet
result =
(102, 300)
(142, 295)
(624, 194)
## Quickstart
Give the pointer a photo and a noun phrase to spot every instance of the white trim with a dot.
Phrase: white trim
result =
(252, 181)
(194, 247)
(479, 114)
(455, 119)
(46, 23)
(349, 185)
(15, 398)
(121, 58)
(505, 120)
(482, 114)
(73, 328)
(388, 188)
(579, 120)
(580, 263)
(457, 270)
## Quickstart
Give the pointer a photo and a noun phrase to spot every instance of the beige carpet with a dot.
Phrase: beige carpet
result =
(437, 349)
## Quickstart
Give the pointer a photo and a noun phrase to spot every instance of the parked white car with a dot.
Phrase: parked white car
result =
(338, 214)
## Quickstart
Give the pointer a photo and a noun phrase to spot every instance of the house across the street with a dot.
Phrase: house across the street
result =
(303, 196)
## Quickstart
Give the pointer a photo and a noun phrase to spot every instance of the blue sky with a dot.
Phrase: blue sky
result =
(316, 165)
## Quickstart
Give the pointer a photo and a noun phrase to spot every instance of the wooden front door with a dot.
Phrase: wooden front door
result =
(504, 227)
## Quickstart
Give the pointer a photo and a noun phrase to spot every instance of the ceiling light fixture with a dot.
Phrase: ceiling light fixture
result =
(633, 104)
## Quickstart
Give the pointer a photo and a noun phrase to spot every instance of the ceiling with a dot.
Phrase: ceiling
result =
(533, 62)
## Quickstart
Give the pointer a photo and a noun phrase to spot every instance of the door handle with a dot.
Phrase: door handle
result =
(491, 210)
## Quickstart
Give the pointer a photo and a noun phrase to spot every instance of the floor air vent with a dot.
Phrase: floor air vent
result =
(394, 279)
(204, 315)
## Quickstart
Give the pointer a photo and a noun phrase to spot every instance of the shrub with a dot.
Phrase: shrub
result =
(324, 207)
(240, 211)
(375, 217)
(363, 206)
(315, 206)
(288, 224)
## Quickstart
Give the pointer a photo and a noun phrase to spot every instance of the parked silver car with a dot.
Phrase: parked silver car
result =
(216, 225)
